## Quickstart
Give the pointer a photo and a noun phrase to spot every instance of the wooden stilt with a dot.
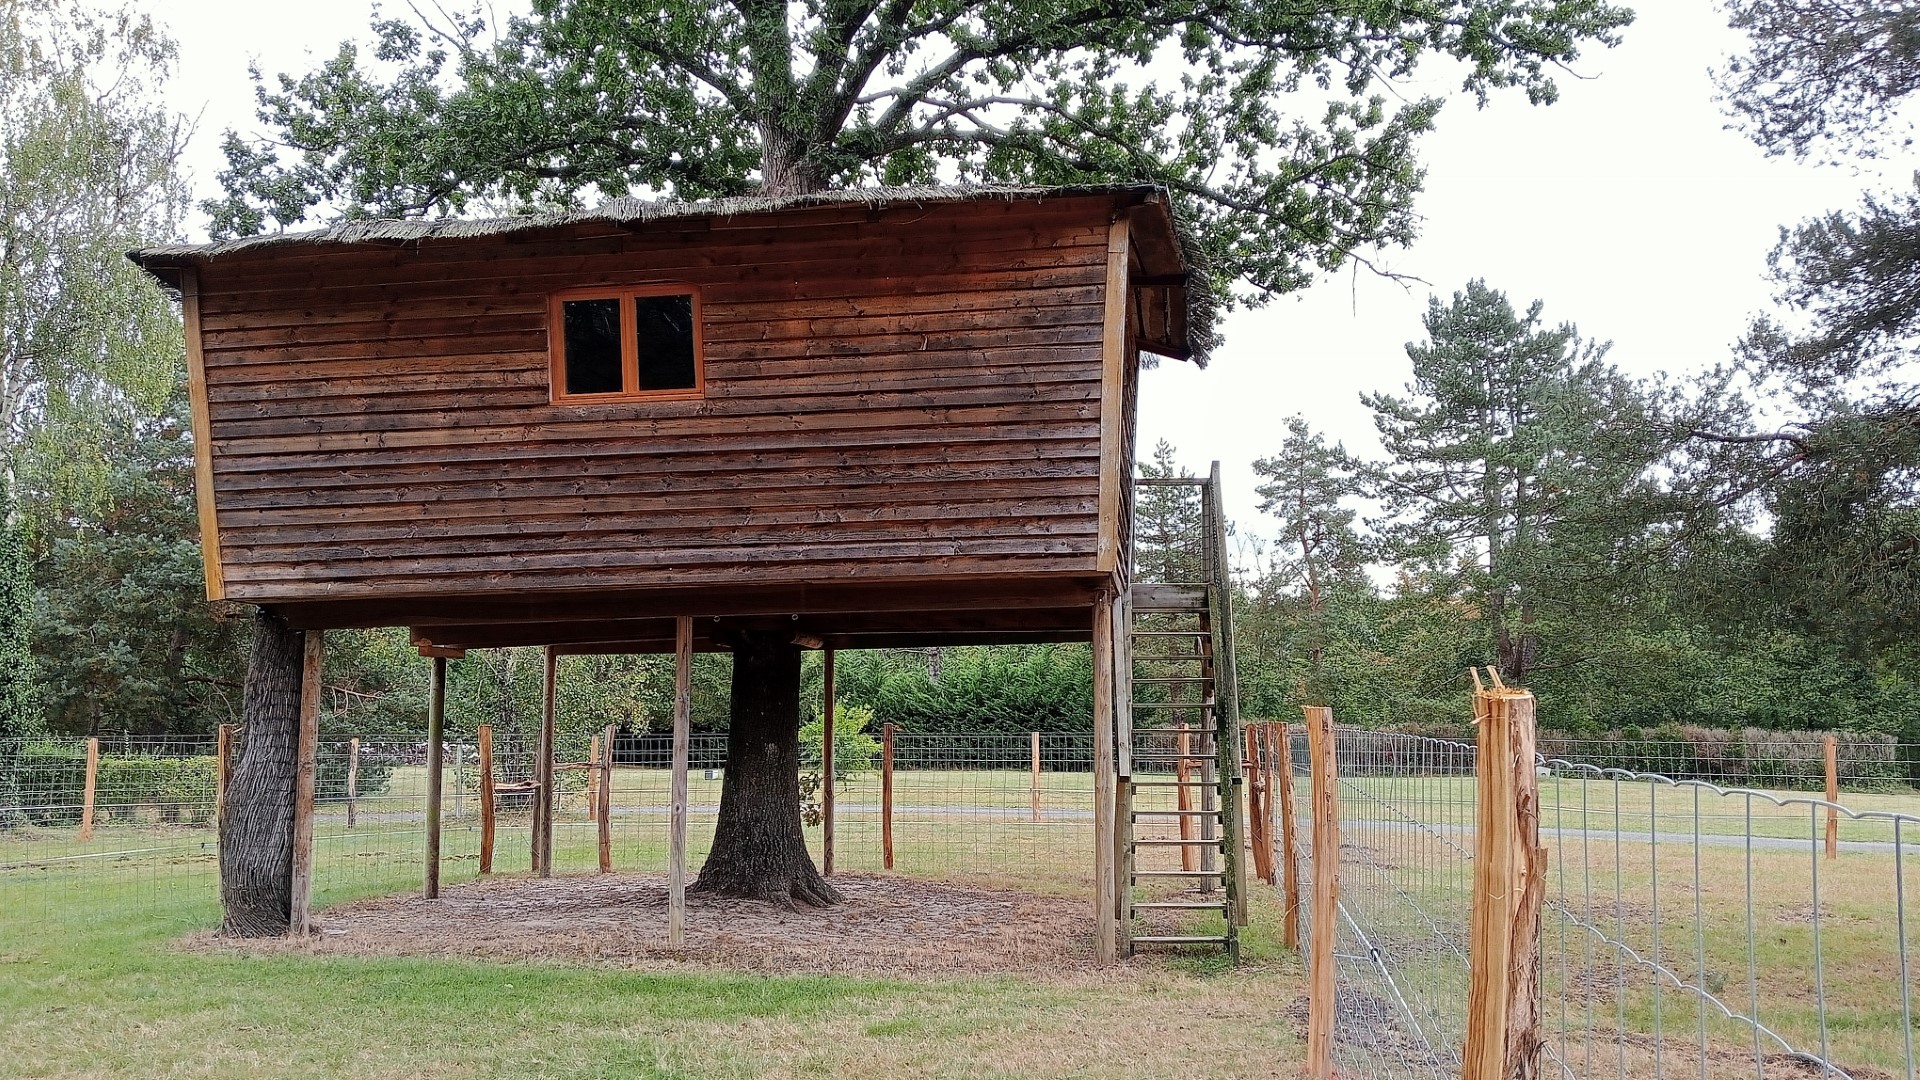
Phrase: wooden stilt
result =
(1326, 892)
(886, 795)
(436, 771)
(543, 772)
(1289, 855)
(299, 917)
(826, 769)
(1036, 776)
(93, 780)
(1105, 896)
(486, 798)
(603, 798)
(1833, 796)
(677, 807)
(353, 781)
(222, 772)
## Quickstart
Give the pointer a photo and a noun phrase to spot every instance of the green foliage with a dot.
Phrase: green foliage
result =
(854, 748)
(1278, 138)
(995, 691)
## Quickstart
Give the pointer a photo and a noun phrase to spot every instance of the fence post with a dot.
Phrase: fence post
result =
(677, 805)
(886, 794)
(306, 750)
(1326, 891)
(1509, 881)
(222, 772)
(1257, 809)
(1105, 792)
(1289, 858)
(93, 776)
(353, 781)
(1036, 776)
(1183, 799)
(436, 772)
(603, 804)
(826, 765)
(486, 798)
(1833, 796)
(593, 776)
(543, 771)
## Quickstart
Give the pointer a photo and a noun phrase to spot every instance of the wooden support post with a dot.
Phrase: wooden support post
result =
(1183, 800)
(436, 771)
(603, 797)
(1833, 796)
(1257, 812)
(592, 802)
(1036, 776)
(486, 798)
(886, 794)
(1326, 891)
(1105, 897)
(826, 769)
(1289, 854)
(1509, 879)
(677, 805)
(93, 779)
(353, 781)
(299, 917)
(222, 772)
(543, 771)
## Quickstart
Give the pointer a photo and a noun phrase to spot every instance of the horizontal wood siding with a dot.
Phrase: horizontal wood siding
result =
(910, 393)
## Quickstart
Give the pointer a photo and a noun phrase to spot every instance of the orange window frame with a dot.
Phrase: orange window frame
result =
(629, 347)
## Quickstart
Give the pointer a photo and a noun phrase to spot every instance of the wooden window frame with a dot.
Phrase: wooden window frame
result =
(629, 348)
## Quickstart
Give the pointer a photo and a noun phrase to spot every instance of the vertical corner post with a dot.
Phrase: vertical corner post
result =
(1509, 881)
(543, 770)
(306, 751)
(1326, 891)
(826, 764)
(436, 771)
(93, 781)
(1226, 697)
(1104, 864)
(886, 794)
(677, 805)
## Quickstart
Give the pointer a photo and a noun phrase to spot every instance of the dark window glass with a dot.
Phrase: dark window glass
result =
(663, 330)
(593, 346)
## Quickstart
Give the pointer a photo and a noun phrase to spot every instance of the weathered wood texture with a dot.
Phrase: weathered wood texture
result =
(898, 393)
(1509, 881)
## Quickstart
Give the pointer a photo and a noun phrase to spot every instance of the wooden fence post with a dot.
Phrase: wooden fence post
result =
(1833, 796)
(1326, 891)
(222, 773)
(93, 779)
(1289, 856)
(543, 771)
(677, 804)
(886, 794)
(1257, 810)
(353, 781)
(1105, 892)
(299, 921)
(436, 772)
(486, 798)
(1036, 776)
(1183, 800)
(826, 769)
(592, 804)
(603, 798)
(1509, 881)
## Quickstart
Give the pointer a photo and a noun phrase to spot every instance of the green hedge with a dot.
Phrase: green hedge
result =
(151, 787)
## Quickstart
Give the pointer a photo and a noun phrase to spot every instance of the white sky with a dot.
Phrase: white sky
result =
(1626, 207)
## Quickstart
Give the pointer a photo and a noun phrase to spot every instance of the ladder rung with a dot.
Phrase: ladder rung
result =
(1211, 841)
(1180, 939)
(1181, 905)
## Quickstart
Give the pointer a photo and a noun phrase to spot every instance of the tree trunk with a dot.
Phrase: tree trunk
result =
(256, 825)
(758, 849)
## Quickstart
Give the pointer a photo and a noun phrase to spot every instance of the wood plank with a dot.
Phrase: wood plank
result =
(306, 752)
(1112, 390)
(205, 505)
(677, 804)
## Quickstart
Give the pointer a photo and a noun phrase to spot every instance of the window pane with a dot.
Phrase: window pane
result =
(663, 329)
(593, 346)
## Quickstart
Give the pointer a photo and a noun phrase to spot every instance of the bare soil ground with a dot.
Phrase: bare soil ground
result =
(886, 926)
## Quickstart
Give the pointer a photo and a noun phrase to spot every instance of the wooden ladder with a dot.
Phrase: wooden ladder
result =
(1181, 776)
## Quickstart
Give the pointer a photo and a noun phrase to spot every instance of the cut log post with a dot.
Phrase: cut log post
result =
(436, 772)
(592, 803)
(886, 795)
(1036, 777)
(1509, 879)
(222, 773)
(1183, 800)
(677, 805)
(603, 798)
(1105, 897)
(486, 798)
(1833, 796)
(1257, 807)
(306, 750)
(87, 797)
(826, 770)
(1289, 853)
(543, 772)
(1326, 891)
(353, 782)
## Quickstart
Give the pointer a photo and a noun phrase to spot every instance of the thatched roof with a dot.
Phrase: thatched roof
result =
(1202, 306)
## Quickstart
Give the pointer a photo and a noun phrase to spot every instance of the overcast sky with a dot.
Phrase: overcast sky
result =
(1626, 207)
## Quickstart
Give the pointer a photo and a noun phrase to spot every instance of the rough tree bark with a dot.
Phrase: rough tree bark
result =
(256, 827)
(758, 849)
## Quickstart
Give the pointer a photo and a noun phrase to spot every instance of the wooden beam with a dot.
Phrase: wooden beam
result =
(826, 767)
(1326, 891)
(436, 768)
(203, 496)
(306, 750)
(677, 807)
(543, 771)
(1103, 782)
(1113, 370)
(443, 652)
(1509, 882)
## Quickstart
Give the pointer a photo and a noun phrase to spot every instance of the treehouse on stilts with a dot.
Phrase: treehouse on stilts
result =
(866, 419)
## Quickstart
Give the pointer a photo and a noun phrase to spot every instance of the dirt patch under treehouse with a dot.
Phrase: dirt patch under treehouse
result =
(886, 925)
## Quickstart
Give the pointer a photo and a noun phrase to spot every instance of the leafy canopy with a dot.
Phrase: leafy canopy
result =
(1273, 123)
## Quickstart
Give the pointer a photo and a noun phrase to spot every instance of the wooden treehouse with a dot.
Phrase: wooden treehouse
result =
(871, 419)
